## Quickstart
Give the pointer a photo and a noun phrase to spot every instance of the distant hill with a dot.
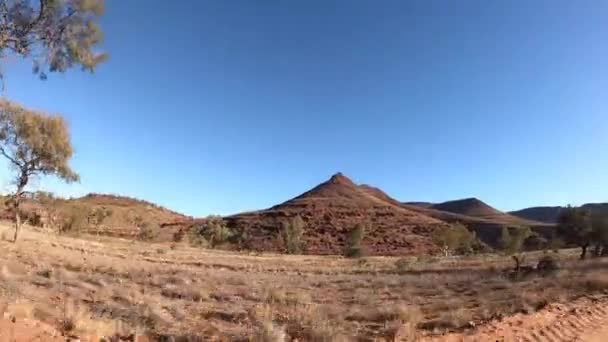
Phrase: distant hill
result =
(419, 204)
(541, 214)
(331, 209)
(476, 208)
(551, 214)
(468, 206)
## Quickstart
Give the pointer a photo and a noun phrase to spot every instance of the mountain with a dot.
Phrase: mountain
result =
(541, 214)
(331, 209)
(335, 206)
(473, 207)
(550, 214)
(468, 206)
(486, 221)
(419, 204)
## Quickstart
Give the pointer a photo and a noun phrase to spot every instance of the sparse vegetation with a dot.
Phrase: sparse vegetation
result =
(353, 242)
(292, 234)
(75, 220)
(147, 231)
(212, 233)
(548, 264)
(455, 239)
(98, 215)
(512, 241)
(269, 294)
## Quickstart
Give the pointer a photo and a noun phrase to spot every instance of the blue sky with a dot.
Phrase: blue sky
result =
(223, 106)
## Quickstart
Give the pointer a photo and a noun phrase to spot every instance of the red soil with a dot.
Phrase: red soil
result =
(334, 207)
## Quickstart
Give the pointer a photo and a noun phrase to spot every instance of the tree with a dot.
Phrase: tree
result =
(512, 242)
(599, 234)
(292, 235)
(454, 238)
(35, 144)
(55, 34)
(574, 225)
(354, 238)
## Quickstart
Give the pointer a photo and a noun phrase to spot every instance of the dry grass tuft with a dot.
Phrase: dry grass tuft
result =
(267, 331)
(191, 293)
(450, 320)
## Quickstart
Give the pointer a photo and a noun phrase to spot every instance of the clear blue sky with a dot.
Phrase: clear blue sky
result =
(223, 106)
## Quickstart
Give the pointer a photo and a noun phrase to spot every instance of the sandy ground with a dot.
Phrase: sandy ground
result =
(109, 286)
(585, 319)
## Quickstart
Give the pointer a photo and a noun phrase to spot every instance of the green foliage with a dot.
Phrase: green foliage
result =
(355, 235)
(212, 233)
(512, 238)
(55, 35)
(353, 241)
(599, 228)
(292, 235)
(599, 234)
(34, 144)
(575, 227)
(456, 238)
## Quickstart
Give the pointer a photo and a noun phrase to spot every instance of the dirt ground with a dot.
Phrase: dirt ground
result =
(56, 286)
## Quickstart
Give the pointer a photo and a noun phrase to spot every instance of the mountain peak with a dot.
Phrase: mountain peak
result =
(340, 178)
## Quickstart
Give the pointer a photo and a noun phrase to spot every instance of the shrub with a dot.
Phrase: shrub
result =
(196, 238)
(404, 325)
(75, 220)
(355, 235)
(213, 232)
(292, 235)
(455, 238)
(178, 236)
(147, 231)
(353, 242)
(512, 243)
(548, 264)
(512, 238)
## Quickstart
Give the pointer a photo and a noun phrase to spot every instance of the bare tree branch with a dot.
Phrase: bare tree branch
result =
(9, 157)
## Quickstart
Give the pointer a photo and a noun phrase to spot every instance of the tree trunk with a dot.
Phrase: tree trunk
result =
(517, 263)
(584, 252)
(17, 224)
(16, 202)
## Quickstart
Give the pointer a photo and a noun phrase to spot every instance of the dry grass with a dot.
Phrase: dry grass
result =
(118, 286)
